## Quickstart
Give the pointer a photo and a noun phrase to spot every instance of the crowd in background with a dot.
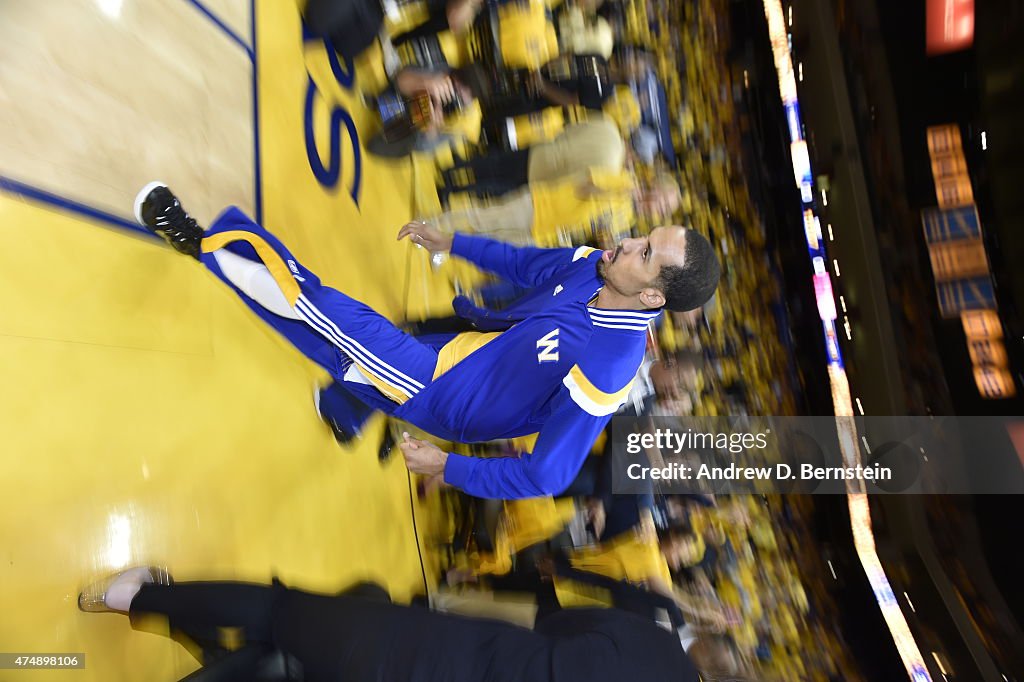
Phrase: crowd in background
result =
(570, 123)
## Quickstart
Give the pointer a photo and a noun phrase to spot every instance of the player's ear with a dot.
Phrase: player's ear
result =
(652, 298)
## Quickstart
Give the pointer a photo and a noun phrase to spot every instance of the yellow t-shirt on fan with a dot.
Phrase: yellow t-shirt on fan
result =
(574, 208)
(636, 556)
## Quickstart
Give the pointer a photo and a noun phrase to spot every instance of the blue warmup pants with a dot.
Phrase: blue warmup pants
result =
(335, 331)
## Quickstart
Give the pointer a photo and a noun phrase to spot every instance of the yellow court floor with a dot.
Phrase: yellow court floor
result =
(145, 415)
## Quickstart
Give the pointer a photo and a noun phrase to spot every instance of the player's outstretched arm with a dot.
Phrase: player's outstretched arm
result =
(564, 442)
(525, 266)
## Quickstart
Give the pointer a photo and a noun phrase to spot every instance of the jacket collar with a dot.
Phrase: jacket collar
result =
(637, 321)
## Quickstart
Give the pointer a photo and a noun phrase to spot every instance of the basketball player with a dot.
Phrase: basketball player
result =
(558, 363)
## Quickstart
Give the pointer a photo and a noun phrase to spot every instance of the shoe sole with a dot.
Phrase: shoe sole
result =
(140, 198)
(316, 402)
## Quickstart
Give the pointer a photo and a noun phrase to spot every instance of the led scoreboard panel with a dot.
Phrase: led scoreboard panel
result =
(956, 248)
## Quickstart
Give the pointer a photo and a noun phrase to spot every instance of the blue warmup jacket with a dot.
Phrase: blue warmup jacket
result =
(560, 369)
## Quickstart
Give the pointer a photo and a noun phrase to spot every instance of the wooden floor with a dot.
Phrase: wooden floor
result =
(146, 416)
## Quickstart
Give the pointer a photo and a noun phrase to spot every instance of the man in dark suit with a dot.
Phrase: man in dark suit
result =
(352, 638)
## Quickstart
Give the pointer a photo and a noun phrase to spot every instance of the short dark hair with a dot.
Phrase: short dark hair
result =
(693, 283)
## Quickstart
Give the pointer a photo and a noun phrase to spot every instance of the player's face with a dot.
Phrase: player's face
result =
(633, 266)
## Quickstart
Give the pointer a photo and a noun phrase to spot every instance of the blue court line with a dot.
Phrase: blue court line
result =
(28, 191)
(257, 174)
(224, 27)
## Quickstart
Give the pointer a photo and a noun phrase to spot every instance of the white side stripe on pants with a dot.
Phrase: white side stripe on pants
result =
(370, 362)
(360, 349)
(378, 372)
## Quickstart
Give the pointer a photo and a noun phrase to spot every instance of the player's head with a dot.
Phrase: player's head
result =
(672, 267)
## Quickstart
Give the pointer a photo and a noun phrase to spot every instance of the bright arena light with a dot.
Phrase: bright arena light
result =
(938, 662)
(112, 8)
(860, 512)
(119, 542)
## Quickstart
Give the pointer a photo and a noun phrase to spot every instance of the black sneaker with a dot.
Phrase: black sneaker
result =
(387, 445)
(159, 211)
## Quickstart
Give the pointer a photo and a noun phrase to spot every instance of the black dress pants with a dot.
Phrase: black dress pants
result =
(201, 610)
(492, 174)
(356, 636)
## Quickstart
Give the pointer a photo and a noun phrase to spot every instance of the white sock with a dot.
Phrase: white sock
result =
(255, 280)
(124, 588)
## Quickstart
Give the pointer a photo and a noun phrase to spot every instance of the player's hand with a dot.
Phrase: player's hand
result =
(422, 457)
(426, 235)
